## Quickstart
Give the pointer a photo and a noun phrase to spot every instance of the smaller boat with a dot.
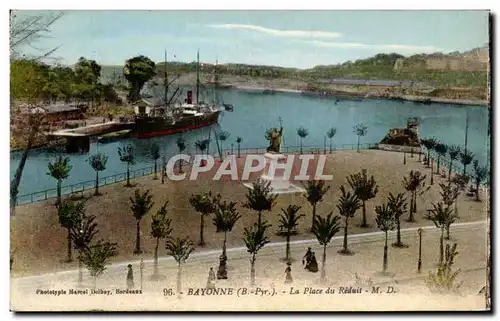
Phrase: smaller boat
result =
(269, 92)
(228, 107)
(113, 137)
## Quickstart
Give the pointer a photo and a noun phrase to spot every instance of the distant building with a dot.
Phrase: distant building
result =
(56, 112)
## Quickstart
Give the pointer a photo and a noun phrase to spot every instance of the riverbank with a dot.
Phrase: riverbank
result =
(41, 241)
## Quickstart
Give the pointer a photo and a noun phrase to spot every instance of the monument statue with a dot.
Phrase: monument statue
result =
(273, 135)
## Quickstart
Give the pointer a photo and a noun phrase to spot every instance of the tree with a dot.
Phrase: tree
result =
(302, 132)
(288, 221)
(138, 70)
(260, 198)
(222, 137)
(59, 170)
(398, 205)
(238, 141)
(202, 145)
(386, 222)
(443, 281)
(315, 191)
(97, 256)
(466, 158)
(203, 204)
(441, 150)
(181, 145)
(449, 194)
(224, 220)
(255, 239)
(415, 184)
(441, 215)
(82, 233)
(480, 174)
(429, 144)
(325, 229)
(126, 154)
(98, 163)
(140, 205)
(160, 229)
(330, 133)
(70, 214)
(360, 130)
(347, 206)
(453, 152)
(180, 249)
(155, 155)
(365, 188)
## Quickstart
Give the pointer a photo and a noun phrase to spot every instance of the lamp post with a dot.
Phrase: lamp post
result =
(420, 231)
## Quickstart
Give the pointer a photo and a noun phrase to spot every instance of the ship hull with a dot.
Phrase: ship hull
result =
(157, 126)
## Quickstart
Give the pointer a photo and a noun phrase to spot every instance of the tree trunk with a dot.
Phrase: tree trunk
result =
(364, 224)
(385, 254)
(345, 234)
(477, 190)
(180, 166)
(156, 174)
(448, 231)
(128, 174)
(252, 270)
(14, 184)
(259, 220)
(398, 240)
(202, 226)
(441, 247)
(80, 272)
(330, 145)
(96, 183)
(358, 143)
(449, 171)
(138, 237)
(323, 272)
(238, 150)
(301, 145)
(70, 257)
(58, 191)
(465, 170)
(415, 202)
(155, 273)
(432, 171)
(179, 280)
(224, 245)
(287, 256)
(439, 162)
(314, 215)
(404, 157)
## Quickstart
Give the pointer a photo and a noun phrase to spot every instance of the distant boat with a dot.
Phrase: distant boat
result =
(113, 137)
(228, 107)
(269, 92)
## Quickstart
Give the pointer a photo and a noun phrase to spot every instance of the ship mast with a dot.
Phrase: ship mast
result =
(165, 81)
(197, 76)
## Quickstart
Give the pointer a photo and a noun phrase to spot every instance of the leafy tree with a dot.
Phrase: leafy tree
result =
(302, 132)
(126, 154)
(140, 205)
(453, 152)
(180, 249)
(415, 184)
(181, 145)
(398, 205)
(444, 280)
(288, 221)
(202, 145)
(325, 229)
(98, 163)
(160, 229)
(441, 150)
(386, 222)
(449, 194)
(238, 141)
(330, 133)
(429, 144)
(466, 158)
(255, 239)
(223, 135)
(203, 204)
(59, 170)
(260, 198)
(360, 130)
(441, 215)
(365, 188)
(224, 220)
(97, 256)
(347, 206)
(155, 154)
(138, 70)
(315, 191)
(82, 233)
(480, 174)
(70, 214)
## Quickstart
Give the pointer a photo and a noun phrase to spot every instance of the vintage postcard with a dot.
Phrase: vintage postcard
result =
(250, 161)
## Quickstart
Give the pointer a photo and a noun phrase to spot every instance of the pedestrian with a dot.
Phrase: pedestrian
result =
(130, 277)
(288, 273)
(211, 279)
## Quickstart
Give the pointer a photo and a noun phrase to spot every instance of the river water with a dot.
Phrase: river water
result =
(255, 112)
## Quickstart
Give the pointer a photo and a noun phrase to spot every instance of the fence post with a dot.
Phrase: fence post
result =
(31, 196)
(45, 194)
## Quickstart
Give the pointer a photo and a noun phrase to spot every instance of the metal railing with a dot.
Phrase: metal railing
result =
(121, 177)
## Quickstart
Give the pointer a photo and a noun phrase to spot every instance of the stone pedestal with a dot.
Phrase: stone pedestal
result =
(273, 174)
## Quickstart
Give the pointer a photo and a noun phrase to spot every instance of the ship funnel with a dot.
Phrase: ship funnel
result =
(190, 97)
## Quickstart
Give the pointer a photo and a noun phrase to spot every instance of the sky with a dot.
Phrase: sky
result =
(300, 39)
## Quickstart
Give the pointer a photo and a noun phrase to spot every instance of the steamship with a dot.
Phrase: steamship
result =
(178, 117)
